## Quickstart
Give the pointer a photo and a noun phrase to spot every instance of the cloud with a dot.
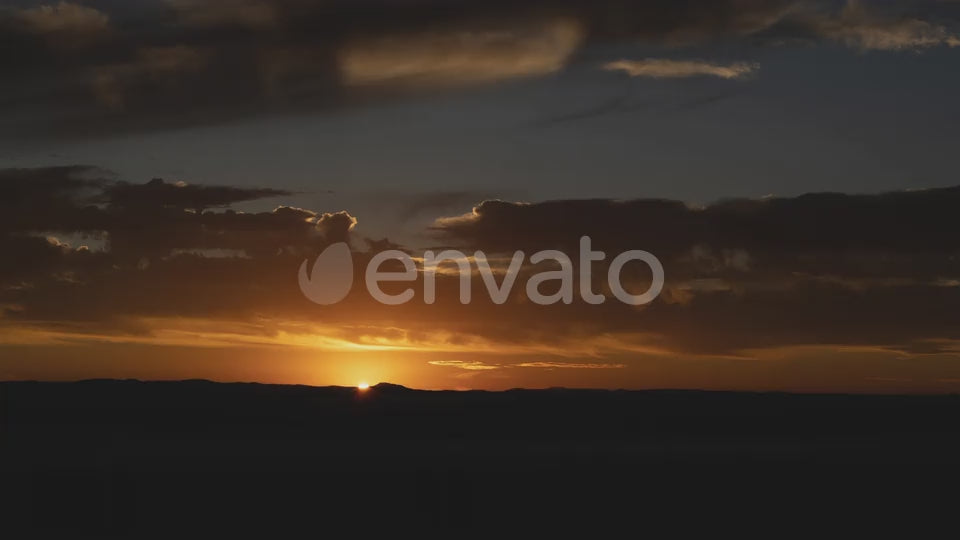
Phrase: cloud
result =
(907, 221)
(482, 366)
(661, 68)
(568, 365)
(159, 193)
(196, 63)
(152, 219)
(461, 56)
(857, 27)
(335, 226)
(157, 66)
(459, 364)
(65, 23)
(743, 275)
(221, 13)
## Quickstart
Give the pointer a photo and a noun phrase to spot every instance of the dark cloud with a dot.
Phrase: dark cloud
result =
(82, 69)
(51, 198)
(152, 219)
(905, 222)
(48, 185)
(157, 192)
(820, 268)
(418, 205)
(877, 271)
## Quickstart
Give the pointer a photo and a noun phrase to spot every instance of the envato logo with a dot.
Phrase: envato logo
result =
(331, 277)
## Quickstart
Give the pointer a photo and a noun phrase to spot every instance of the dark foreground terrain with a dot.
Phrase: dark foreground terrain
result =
(132, 458)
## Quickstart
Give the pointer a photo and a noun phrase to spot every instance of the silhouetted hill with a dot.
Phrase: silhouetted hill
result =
(121, 456)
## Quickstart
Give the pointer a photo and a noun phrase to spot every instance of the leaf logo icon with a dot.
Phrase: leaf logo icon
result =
(331, 277)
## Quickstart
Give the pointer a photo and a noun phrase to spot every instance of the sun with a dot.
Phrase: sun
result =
(363, 385)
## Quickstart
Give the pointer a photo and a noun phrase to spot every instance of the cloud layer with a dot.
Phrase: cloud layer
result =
(659, 68)
(136, 260)
(168, 63)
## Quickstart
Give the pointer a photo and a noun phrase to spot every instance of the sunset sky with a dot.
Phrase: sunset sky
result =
(167, 165)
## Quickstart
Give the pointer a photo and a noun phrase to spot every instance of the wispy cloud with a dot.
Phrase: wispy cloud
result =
(662, 68)
(482, 366)
(65, 24)
(568, 365)
(469, 366)
(855, 26)
(461, 56)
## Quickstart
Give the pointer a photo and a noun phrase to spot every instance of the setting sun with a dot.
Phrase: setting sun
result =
(363, 386)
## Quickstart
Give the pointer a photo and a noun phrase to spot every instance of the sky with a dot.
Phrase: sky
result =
(166, 166)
